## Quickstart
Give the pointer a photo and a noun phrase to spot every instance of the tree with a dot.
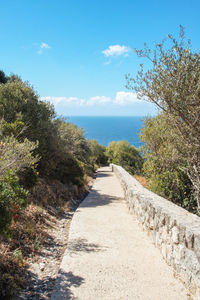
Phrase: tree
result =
(163, 164)
(13, 199)
(3, 77)
(73, 140)
(125, 155)
(20, 107)
(15, 155)
(173, 84)
(97, 156)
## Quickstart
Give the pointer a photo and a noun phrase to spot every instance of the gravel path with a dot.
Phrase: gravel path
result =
(109, 257)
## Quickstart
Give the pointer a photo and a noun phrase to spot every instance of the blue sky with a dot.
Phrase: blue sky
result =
(76, 53)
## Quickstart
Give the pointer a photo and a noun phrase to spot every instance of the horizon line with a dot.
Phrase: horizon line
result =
(106, 116)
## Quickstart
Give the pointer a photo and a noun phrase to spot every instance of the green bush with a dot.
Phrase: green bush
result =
(3, 77)
(175, 186)
(13, 198)
(73, 140)
(164, 165)
(9, 129)
(15, 155)
(28, 177)
(97, 153)
(65, 168)
(125, 155)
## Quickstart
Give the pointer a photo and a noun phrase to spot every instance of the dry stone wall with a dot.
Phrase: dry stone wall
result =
(175, 231)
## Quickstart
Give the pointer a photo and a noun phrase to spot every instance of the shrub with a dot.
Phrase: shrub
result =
(15, 155)
(97, 153)
(164, 165)
(13, 198)
(125, 155)
(73, 140)
(28, 177)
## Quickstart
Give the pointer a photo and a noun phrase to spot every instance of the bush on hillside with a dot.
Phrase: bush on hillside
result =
(59, 145)
(172, 84)
(15, 155)
(98, 153)
(73, 140)
(125, 155)
(12, 200)
(164, 166)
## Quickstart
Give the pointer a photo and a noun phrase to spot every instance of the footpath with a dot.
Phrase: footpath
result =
(109, 257)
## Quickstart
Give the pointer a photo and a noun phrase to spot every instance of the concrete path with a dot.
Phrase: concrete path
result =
(109, 257)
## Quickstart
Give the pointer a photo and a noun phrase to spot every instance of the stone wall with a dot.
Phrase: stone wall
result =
(175, 231)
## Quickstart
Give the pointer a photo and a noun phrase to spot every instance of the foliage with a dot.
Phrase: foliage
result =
(24, 115)
(16, 128)
(163, 165)
(12, 200)
(88, 153)
(98, 155)
(15, 155)
(73, 140)
(66, 169)
(32, 121)
(28, 176)
(17, 97)
(3, 77)
(173, 84)
(18, 256)
(125, 155)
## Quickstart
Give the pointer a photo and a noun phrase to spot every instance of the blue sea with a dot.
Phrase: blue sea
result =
(108, 129)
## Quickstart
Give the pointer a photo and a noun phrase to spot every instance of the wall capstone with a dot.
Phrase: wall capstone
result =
(175, 231)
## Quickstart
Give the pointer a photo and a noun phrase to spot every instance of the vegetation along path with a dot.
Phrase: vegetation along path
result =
(108, 256)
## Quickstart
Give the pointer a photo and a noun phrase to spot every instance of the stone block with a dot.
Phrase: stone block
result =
(175, 235)
(197, 246)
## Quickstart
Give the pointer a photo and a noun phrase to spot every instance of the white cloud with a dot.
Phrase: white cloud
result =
(98, 100)
(77, 101)
(121, 99)
(122, 103)
(116, 50)
(68, 101)
(42, 47)
(124, 98)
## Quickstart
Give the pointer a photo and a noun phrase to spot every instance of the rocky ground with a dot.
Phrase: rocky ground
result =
(43, 268)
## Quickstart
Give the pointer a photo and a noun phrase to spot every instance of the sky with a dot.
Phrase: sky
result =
(76, 53)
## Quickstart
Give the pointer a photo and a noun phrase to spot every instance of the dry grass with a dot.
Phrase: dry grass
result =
(11, 272)
(26, 237)
(30, 231)
(142, 180)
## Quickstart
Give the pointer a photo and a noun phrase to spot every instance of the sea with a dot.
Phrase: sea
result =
(106, 129)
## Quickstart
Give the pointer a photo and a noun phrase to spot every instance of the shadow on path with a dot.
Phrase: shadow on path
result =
(95, 199)
(82, 245)
(65, 281)
(103, 174)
